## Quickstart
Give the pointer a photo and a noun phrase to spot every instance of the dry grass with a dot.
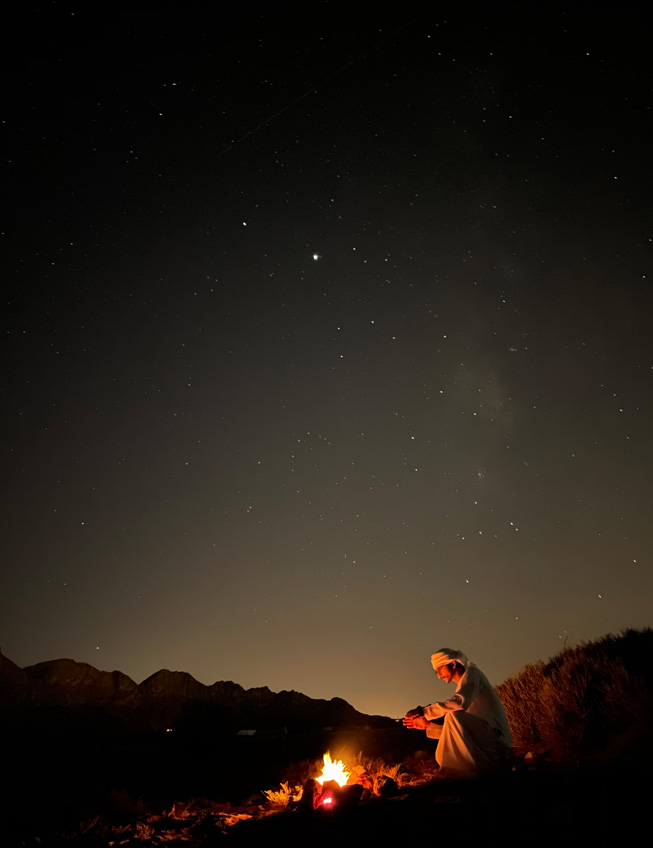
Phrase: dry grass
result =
(284, 795)
(582, 697)
(375, 768)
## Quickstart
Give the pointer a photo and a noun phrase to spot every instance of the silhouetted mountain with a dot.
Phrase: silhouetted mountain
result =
(15, 685)
(68, 683)
(66, 691)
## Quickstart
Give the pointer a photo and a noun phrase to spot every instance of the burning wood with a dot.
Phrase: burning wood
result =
(333, 771)
(326, 787)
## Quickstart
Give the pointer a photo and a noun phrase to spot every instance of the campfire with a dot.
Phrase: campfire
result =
(333, 771)
(338, 786)
(334, 776)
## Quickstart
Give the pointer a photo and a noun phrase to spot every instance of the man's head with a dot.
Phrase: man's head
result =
(449, 664)
(447, 655)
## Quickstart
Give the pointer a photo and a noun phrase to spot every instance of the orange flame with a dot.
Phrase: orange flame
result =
(333, 771)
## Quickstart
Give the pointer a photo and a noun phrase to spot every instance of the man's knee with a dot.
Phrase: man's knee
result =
(457, 719)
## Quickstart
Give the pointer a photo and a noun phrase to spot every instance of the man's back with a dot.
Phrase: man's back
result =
(480, 699)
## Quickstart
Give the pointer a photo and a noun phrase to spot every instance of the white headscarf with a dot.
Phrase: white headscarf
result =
(446, 655)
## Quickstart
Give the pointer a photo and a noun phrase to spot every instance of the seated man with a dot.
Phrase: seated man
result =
(475, 736)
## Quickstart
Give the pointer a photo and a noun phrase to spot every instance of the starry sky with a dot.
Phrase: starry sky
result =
(327, 340)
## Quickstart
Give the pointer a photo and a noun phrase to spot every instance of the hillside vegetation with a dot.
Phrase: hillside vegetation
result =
(592, 700)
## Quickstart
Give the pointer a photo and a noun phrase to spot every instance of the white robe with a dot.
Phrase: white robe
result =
(475, 735)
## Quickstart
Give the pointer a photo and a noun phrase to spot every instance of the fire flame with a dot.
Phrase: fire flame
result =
(333, 771)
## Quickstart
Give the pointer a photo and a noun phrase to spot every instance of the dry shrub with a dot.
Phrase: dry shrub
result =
(583, 696)
(284, 795)
(374, 768)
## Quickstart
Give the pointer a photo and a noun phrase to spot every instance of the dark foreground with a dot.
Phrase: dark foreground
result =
(166, 791)
(575, 806)
(582, 805)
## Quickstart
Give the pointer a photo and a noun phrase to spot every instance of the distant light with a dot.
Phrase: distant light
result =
(316, 256)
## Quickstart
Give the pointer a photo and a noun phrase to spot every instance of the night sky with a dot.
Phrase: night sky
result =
(327, 340)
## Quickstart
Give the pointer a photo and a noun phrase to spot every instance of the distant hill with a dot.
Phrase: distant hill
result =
(64, 691)
(593, 700)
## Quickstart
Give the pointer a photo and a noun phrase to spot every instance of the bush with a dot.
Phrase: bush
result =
(584, 699)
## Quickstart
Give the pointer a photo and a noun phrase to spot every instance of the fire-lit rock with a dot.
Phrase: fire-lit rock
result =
(310, 793)
(350, 795)
(386, 786)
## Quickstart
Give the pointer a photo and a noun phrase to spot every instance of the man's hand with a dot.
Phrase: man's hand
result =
(418, 711)
(415, 722)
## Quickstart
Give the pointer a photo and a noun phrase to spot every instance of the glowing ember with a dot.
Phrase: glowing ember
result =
(333, 771)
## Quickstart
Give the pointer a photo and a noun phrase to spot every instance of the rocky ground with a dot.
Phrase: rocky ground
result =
(581, 804)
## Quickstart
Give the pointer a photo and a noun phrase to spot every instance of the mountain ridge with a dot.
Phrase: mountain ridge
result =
(166, 699)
